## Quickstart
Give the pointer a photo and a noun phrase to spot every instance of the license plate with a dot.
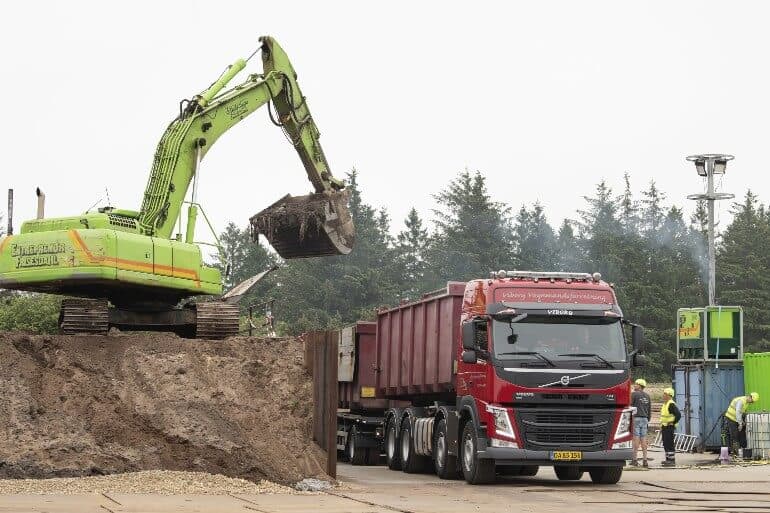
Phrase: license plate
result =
(567, 455)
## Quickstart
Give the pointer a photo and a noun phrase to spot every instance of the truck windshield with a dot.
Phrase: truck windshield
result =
(558, 338)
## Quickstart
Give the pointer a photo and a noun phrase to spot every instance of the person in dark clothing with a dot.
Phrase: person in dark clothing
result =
(669, 417)
(641, 401)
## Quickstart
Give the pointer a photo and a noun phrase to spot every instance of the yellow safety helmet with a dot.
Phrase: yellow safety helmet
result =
(641, 382)
(754, 396)
(669, 392)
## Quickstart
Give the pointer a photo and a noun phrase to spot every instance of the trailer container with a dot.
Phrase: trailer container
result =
(415, 351)
(360, 411)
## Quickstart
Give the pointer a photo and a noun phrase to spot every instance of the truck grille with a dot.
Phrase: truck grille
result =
(543, 429)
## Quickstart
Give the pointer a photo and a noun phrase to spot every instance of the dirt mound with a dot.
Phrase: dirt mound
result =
(86, 405)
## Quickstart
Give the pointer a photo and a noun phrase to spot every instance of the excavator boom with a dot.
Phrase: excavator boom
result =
(306, 226)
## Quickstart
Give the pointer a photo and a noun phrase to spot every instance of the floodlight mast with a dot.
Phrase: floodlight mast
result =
(707, 165)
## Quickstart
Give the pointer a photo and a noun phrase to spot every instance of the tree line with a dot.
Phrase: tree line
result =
(654, 256)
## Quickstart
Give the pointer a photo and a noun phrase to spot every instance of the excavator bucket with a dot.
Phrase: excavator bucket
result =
(307, 226)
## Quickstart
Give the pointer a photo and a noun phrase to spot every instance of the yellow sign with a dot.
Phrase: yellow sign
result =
(367, 391)
(689, 325)
(567, 455)
(721, 323)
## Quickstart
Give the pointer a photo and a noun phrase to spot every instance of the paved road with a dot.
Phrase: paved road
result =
(378, 490)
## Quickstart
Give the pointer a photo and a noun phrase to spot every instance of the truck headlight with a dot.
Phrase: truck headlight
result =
(496, 442)
(624, 424)
(502, 421)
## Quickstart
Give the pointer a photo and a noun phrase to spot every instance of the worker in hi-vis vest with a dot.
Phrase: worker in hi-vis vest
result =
(735, 422)
(669, 416)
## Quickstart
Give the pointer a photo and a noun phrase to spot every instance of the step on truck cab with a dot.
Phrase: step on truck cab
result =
(506, 374)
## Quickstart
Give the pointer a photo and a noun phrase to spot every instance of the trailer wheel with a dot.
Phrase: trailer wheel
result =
(356, 455)
(568, 473)
(475, 469)
(606, 475)
(446, 465)
(391, 447)
(373, 456)
(411, 462)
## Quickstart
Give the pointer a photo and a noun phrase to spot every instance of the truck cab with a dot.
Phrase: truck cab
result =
(543, 372)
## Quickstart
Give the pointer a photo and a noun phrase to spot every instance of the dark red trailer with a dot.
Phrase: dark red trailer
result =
(360, 410)
(415, 350)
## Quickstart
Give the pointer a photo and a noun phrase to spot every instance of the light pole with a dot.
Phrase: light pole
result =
(708, 165)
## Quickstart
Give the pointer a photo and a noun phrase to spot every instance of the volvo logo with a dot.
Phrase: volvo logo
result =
(563, 381)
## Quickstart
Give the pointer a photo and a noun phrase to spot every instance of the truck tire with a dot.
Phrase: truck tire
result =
(568, 473)
(445, 465)
(606, 475)
(373, 456)
(475, 469)
(411, 462)
(391, 446)
(356, 455)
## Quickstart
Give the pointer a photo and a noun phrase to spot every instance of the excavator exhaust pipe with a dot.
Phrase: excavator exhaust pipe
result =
(307, 226)
(40, 203)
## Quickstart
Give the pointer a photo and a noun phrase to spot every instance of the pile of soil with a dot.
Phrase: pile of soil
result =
(89, 405)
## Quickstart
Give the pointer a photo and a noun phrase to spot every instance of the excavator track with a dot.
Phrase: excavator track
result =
(216, 320)
(84, 316)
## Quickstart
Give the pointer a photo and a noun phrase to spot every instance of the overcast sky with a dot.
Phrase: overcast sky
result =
(545, 98)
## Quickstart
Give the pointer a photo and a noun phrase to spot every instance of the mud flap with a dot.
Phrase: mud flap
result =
(307, 226)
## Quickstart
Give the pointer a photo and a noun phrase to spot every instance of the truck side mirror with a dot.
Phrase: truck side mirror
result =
(469, 356)
(469, 336)
(637, 338)
(638, 360)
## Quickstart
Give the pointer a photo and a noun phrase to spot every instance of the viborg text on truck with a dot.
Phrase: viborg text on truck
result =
(496, 376)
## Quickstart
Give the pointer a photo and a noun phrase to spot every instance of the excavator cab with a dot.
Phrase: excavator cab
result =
(307, 226)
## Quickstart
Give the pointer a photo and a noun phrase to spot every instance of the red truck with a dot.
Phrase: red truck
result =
(494, 376)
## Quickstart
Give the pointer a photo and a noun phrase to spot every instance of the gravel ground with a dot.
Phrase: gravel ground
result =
(162, 482)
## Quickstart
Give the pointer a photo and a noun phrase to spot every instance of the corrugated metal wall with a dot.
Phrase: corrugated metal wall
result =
(703, 392)
(756, 378)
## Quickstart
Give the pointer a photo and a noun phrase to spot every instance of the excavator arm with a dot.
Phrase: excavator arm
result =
(313, 225)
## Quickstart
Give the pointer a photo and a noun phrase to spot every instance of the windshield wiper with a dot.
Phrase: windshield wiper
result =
(532, 353)
(592, 355)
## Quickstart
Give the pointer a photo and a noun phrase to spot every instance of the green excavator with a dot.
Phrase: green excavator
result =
(136, 270)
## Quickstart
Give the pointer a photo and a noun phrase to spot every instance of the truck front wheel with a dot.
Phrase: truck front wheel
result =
(606, 475)
(446, 465)
(475, 469)
(568, 473)
(391, 446)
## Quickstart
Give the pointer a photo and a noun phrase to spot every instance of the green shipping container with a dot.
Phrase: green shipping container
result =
(756, 369)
